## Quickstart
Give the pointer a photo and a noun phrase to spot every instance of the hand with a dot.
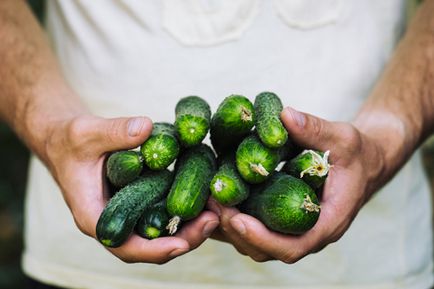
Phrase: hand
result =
(75, 152)
(357, 172)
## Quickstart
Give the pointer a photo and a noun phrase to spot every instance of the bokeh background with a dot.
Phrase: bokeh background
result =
(13, 173)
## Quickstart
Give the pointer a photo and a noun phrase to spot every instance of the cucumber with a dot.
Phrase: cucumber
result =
(123, 167)
(286, 205)
(162, 147)
(255, 161)
(232, 121)
(268, 125)
(310, 166)
(227, 187)
(152, 224)
(192, 120)
(190, 189)
(121, 213)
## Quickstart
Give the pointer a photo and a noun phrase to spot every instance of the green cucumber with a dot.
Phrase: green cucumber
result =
(227, 187)
(162, 147)
(152, 224)
(310, 166)
(286, 205)
(232, 121)
(123, 167)
(121, 213)
(268, 125)
(190, 189)
(255, 161)
(192, 122)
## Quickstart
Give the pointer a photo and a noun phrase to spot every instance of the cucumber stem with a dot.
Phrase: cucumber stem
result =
(259, 169)
(320, 165)
(218, 185)
(310, 206)
(173, 225)
(246, 115)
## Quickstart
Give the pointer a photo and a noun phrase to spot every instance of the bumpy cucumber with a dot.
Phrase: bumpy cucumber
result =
(190, 189)
(286, 205)
(232, 121)
(310, 166)
(268, 125)
(162, 147)
(227, 187)
(123, 167)
(119, 217)
(192, 122)
(152, 224)
(255, 161)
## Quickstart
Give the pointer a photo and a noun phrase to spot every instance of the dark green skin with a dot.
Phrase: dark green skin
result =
(123, 167)
(162, 147)
(233, 120)
(300, 163)
(233, 188)
(268, 125)
(280, 205)
(252, 151)
(190, 189)
(152, 224)
(120, 215)
(193, 116)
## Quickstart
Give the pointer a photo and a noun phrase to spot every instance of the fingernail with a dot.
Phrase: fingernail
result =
(209, 228)
(297, 116)
(177, 252)
(238, 226)
(135, 126)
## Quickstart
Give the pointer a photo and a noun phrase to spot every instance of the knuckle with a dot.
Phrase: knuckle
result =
(114, 131)
(77, 131)
(259, 257)
(317, 126)
(351, 139)
(292, 256)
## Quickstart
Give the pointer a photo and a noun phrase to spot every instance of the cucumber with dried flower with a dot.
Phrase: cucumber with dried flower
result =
(162, 147)
(194, 170)
(152, 224)
(193, 116)
(121, 213)
(227, 186)
(123, 167)
(232, 121)
(271, 131)
(310, 166)
(255, 161)
(286, 205)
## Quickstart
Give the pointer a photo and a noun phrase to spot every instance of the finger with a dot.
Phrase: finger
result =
(308, 130)
(230, 235)
(198, 230)
(105, 135)
(159, 251)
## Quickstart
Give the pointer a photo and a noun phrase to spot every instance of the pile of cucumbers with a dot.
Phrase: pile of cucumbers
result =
(250, 142)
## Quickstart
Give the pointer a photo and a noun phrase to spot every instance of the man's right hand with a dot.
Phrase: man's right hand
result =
(75, 150)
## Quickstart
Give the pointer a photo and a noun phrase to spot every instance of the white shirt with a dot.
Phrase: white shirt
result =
(130, 57)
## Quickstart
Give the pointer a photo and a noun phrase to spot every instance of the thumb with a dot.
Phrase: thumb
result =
(309, 131)
(121, 133)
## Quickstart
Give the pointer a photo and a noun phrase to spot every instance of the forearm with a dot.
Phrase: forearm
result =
(399, 114)
(33, 93)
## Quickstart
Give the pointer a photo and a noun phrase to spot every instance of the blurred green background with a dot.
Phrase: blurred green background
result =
(13, 172)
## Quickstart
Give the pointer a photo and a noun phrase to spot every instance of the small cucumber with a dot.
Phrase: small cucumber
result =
(268, 125)
(162, 147)
(123, 167)
(227, 187)
(152, 224)
(255, 161)
(310, 166)
(286, 205)
(232, 121)
(190, 189)
(192, 122)
(120, 215)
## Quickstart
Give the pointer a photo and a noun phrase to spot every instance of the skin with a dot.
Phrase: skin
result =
(48, 116)
(366, 153)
